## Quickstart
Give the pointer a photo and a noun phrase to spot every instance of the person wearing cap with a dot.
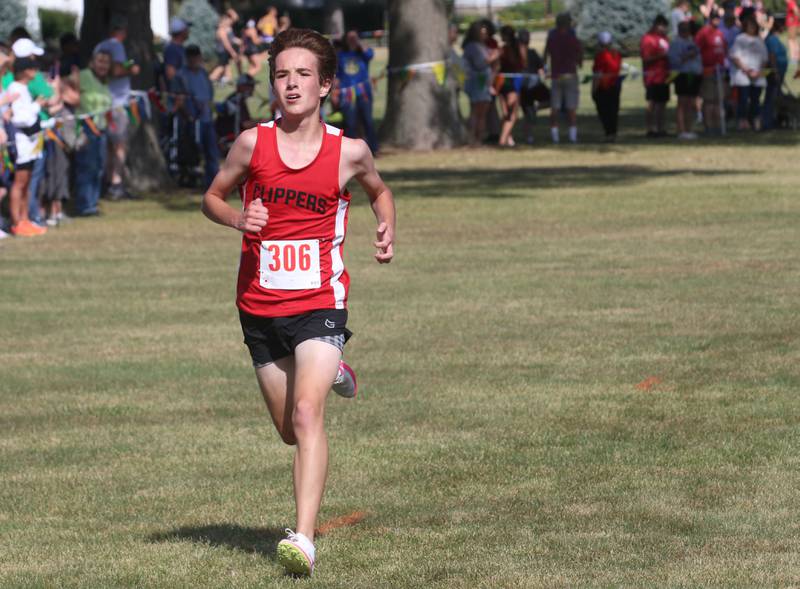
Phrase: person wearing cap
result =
(28, 140)
(24, 48)
(233, 116)
(195, 97)
(606, 84)
(119, 84)
(174, 52)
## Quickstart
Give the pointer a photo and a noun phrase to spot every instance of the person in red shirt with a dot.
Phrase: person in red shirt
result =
(654, 48)
(606, 84)
(792, 23)
(292, 174)
(713, 50)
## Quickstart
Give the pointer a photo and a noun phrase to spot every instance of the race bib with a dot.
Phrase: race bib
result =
(290, 264)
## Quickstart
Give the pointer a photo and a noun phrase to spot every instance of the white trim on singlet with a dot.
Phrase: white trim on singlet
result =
(332, 130)
(337, 264)
(270, 124)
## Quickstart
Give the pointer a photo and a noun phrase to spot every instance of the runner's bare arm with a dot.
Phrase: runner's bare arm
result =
(361, 166)
(232, 173)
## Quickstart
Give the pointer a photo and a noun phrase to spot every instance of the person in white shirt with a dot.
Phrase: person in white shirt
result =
(28, 143)
(749, 58)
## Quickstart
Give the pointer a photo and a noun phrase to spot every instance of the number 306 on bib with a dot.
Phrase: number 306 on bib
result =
(290, 264)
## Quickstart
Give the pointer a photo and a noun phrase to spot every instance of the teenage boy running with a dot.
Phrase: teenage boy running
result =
(292, 286)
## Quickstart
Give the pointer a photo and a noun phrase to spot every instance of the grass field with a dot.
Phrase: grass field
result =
(582, 370)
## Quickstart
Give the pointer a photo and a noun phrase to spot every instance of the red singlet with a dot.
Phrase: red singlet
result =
(295, 264)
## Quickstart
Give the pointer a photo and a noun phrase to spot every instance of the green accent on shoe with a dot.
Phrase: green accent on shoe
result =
(293, 559)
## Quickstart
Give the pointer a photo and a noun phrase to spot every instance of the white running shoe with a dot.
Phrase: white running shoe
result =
(296, 554)
(3, 234)
(345, 384)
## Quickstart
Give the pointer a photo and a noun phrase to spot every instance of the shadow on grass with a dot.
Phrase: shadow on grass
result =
(513, 182)
(261, 541)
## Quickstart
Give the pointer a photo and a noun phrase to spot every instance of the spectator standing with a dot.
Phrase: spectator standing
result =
(352, 75)
(90, 157)
(27, 138)
(268, 24)
(233, 116)
(713, 48)
(566, 56)
(512, 60)
(533, 88)
(478, 59)
(174, 52)
(681, 13)
(684, 58)
(606, 84)
(196, 96)
(792, 22)
(654, 49)
(41, 91)
(749, 57)
(119, 84)
(69, 61)
(778, 64)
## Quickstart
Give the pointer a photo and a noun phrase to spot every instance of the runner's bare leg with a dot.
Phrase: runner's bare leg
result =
(316, 366)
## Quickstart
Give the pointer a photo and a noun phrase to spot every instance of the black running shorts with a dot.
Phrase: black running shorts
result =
(273, 338)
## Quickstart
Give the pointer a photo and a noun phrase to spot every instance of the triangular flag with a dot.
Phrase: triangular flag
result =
(90, 125)
(133, 111)
(499, 81)
(110, 120)
(440, 71)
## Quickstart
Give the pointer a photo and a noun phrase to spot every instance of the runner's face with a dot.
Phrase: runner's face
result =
(297, 82)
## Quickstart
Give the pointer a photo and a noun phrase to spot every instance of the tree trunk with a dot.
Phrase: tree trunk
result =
(147, 170)
(420, 113)
(548, 7)
(334, 19)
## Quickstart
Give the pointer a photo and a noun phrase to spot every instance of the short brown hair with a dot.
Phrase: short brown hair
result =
(305, 39)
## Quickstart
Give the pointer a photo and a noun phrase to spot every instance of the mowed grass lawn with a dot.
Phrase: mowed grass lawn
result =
(582, 369)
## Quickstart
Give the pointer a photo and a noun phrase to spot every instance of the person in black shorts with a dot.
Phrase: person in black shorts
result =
(684, 59)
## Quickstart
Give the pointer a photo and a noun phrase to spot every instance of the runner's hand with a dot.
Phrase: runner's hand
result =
(384, 244)
(254, 218)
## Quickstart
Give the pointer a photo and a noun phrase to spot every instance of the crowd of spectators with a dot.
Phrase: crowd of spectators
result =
(727, 63)
(45, 165)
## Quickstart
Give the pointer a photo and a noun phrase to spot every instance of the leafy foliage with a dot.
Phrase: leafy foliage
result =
(204, 24)
(12, 14)
(626, 20)
(55, 23)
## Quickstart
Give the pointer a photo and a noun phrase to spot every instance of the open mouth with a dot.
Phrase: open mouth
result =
(292, 97)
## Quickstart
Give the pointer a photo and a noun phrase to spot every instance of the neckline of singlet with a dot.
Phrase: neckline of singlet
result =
(278, 151)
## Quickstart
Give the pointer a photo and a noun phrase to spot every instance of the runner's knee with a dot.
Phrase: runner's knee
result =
(306, 416)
